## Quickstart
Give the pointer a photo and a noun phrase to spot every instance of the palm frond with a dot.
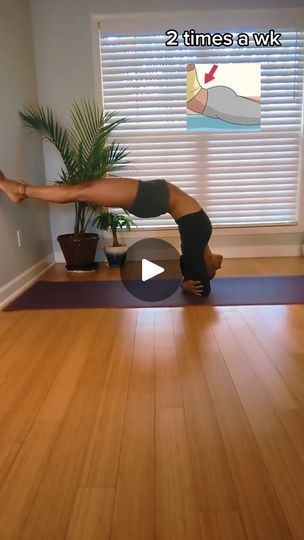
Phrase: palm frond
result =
(84, 124)
(113, 158)
(86, 147)
(42, 120)
(92, 128)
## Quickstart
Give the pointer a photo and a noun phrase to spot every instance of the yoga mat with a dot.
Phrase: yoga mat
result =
(232, 291)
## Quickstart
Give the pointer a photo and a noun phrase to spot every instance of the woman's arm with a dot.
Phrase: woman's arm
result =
(194, 272)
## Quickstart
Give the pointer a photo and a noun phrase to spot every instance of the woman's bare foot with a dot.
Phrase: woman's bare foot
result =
(12, 188)
(213, 263)
(197, 96)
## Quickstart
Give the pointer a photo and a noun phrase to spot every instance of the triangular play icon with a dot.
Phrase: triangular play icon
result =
(149, 269)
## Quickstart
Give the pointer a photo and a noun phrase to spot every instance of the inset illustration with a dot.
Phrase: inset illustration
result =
(224, 97)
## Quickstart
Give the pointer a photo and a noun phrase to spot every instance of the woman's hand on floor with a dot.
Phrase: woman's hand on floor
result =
(194, 287)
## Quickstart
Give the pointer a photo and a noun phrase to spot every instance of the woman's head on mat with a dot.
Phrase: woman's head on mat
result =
(198, 268)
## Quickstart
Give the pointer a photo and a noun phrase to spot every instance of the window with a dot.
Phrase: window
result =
(241, 179)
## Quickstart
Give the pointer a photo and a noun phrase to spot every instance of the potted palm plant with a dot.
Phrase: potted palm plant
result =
(106, 220)
(88, 152)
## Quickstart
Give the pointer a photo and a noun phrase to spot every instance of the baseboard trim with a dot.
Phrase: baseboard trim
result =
(17, 285)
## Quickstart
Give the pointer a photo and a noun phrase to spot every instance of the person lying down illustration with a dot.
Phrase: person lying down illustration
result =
(220, 102)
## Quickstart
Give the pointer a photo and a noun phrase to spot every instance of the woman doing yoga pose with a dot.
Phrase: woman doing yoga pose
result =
(143, 199)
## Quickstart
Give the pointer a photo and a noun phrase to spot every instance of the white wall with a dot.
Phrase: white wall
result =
(65, 71)
(20, 155)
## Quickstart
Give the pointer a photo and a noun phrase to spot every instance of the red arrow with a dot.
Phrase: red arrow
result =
(209, 76)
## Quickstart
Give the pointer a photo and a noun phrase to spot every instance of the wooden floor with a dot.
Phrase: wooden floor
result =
(167, 424)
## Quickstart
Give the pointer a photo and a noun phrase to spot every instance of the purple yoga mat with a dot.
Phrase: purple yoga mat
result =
(232, 291)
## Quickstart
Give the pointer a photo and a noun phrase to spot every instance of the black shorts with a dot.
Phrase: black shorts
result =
(195, 230)
(195, 227)
(152, 199)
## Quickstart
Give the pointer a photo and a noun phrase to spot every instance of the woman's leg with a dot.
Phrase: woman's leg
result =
(114, 192)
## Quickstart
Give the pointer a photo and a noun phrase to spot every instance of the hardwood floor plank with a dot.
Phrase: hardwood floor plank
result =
(18, 405)
(280, 320)
(263, 266)
(256, 493)
(8, 453)
(91, 516)
(214, 484)
(7, 327)
(222, 526)
(261, 364)
(279, 455)
(24, 476)
(52, 506)
(134, 514)
(290, 365)
(286, 471)
(85, 327)
(270, 362)
(177, 515)
(102, 458)
(167, 378)
(21, 341)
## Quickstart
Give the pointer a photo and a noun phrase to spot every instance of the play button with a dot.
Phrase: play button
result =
(151, 272)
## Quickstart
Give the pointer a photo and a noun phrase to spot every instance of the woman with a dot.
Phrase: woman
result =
(143, 199)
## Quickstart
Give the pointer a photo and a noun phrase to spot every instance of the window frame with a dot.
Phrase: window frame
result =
(209, 19)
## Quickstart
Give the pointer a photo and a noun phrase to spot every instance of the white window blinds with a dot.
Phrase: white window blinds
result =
(240, 179)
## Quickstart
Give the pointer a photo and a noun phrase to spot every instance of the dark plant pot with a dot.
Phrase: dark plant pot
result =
(116, 255)
(79, 251)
